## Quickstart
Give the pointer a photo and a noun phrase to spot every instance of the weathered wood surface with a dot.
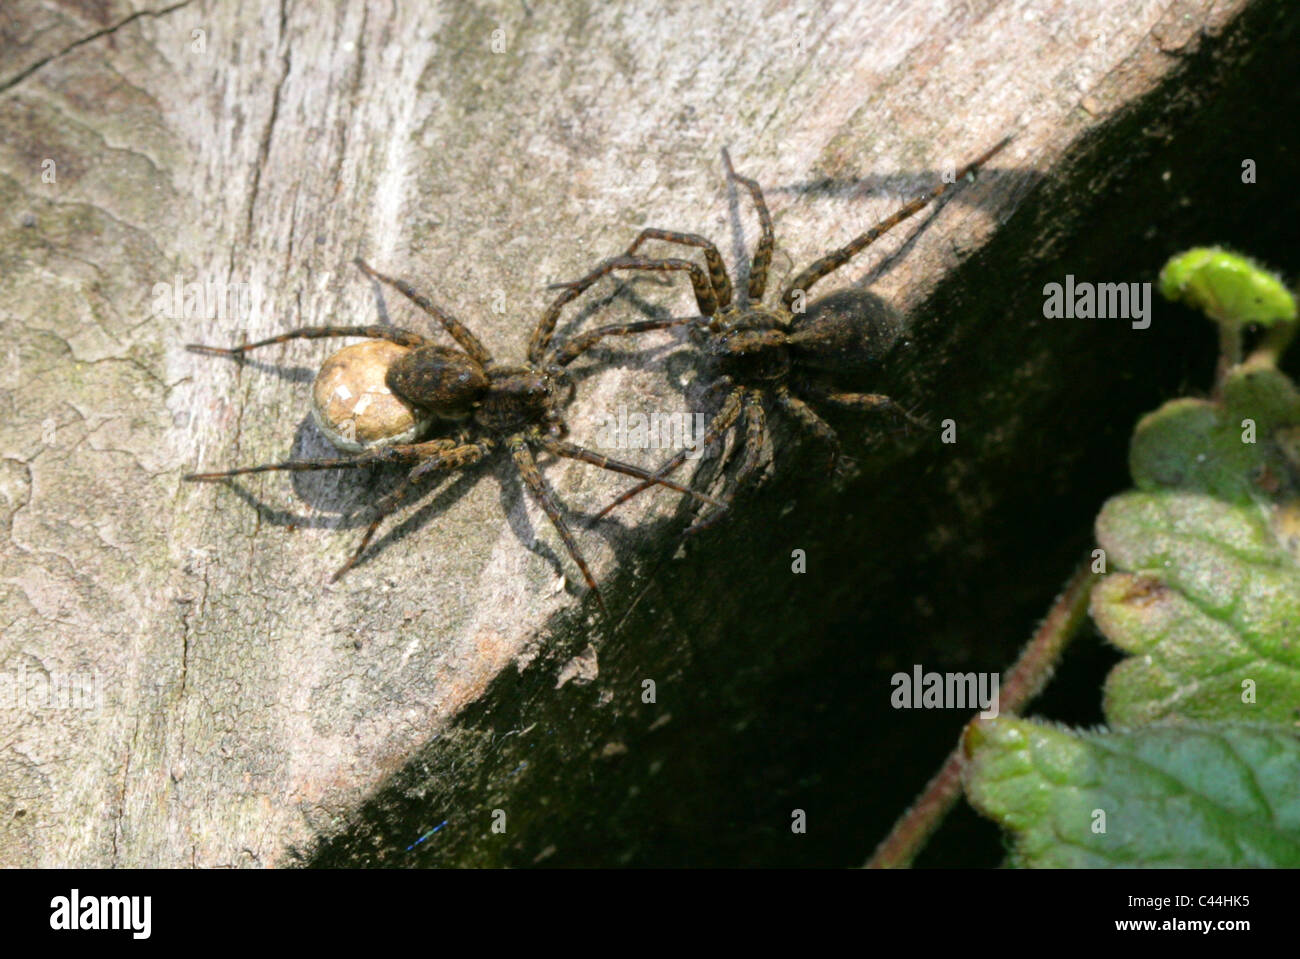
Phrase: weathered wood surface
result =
(249, 710)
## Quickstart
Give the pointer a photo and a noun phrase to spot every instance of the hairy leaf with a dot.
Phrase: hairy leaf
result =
(1192, 795)
(1208, 594)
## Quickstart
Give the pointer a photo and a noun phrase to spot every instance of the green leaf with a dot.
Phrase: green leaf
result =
(1192, 795)
(1227, 287)
(1208, 594)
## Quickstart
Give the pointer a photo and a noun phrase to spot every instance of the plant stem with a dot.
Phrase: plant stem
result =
(1275, 342)
(1025, 680)
(1229, 351)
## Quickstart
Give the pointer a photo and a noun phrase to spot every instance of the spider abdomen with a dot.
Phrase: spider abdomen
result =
(439, 379)
(849, 329)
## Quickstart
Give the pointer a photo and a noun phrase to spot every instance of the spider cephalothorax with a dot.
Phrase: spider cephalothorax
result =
(784, 354)
(517, 408)
(747, 344)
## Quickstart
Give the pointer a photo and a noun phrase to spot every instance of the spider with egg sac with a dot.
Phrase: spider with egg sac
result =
(782, 354)
(373, 400)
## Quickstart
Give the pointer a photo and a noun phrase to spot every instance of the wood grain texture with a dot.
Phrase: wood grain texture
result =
(480, 151)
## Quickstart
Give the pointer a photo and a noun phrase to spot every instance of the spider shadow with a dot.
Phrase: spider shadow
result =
(328, 497)
(445, 494)
(330, 493)
(296, 375)
(901, 187)
(608, 354)
(513, 498)
(322, 490)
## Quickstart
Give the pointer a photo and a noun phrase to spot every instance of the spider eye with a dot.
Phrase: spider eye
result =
(536, 387)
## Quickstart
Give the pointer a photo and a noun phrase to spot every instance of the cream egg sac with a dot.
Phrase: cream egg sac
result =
(352, 404)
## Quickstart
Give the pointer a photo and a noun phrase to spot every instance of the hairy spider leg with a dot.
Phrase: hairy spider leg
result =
(574, 452)
(862, 403)
(767, 241)
(807, 416)
(705, 296)
(520, 449)
(533, 479)
(712, 258)
(722, 421)
(755, 430)
(579, 344)
(824, 266)
(458, 331)
(859, 402)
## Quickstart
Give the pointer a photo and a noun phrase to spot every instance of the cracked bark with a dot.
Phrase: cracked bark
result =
(253, 715)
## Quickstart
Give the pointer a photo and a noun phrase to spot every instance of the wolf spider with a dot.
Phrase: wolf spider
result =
(774, 354)
(512, 407)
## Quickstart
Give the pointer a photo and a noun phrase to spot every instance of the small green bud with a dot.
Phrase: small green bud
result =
(1228, 287)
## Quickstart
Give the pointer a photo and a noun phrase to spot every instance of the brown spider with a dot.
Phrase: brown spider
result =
(778, 353)
(515, 407)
